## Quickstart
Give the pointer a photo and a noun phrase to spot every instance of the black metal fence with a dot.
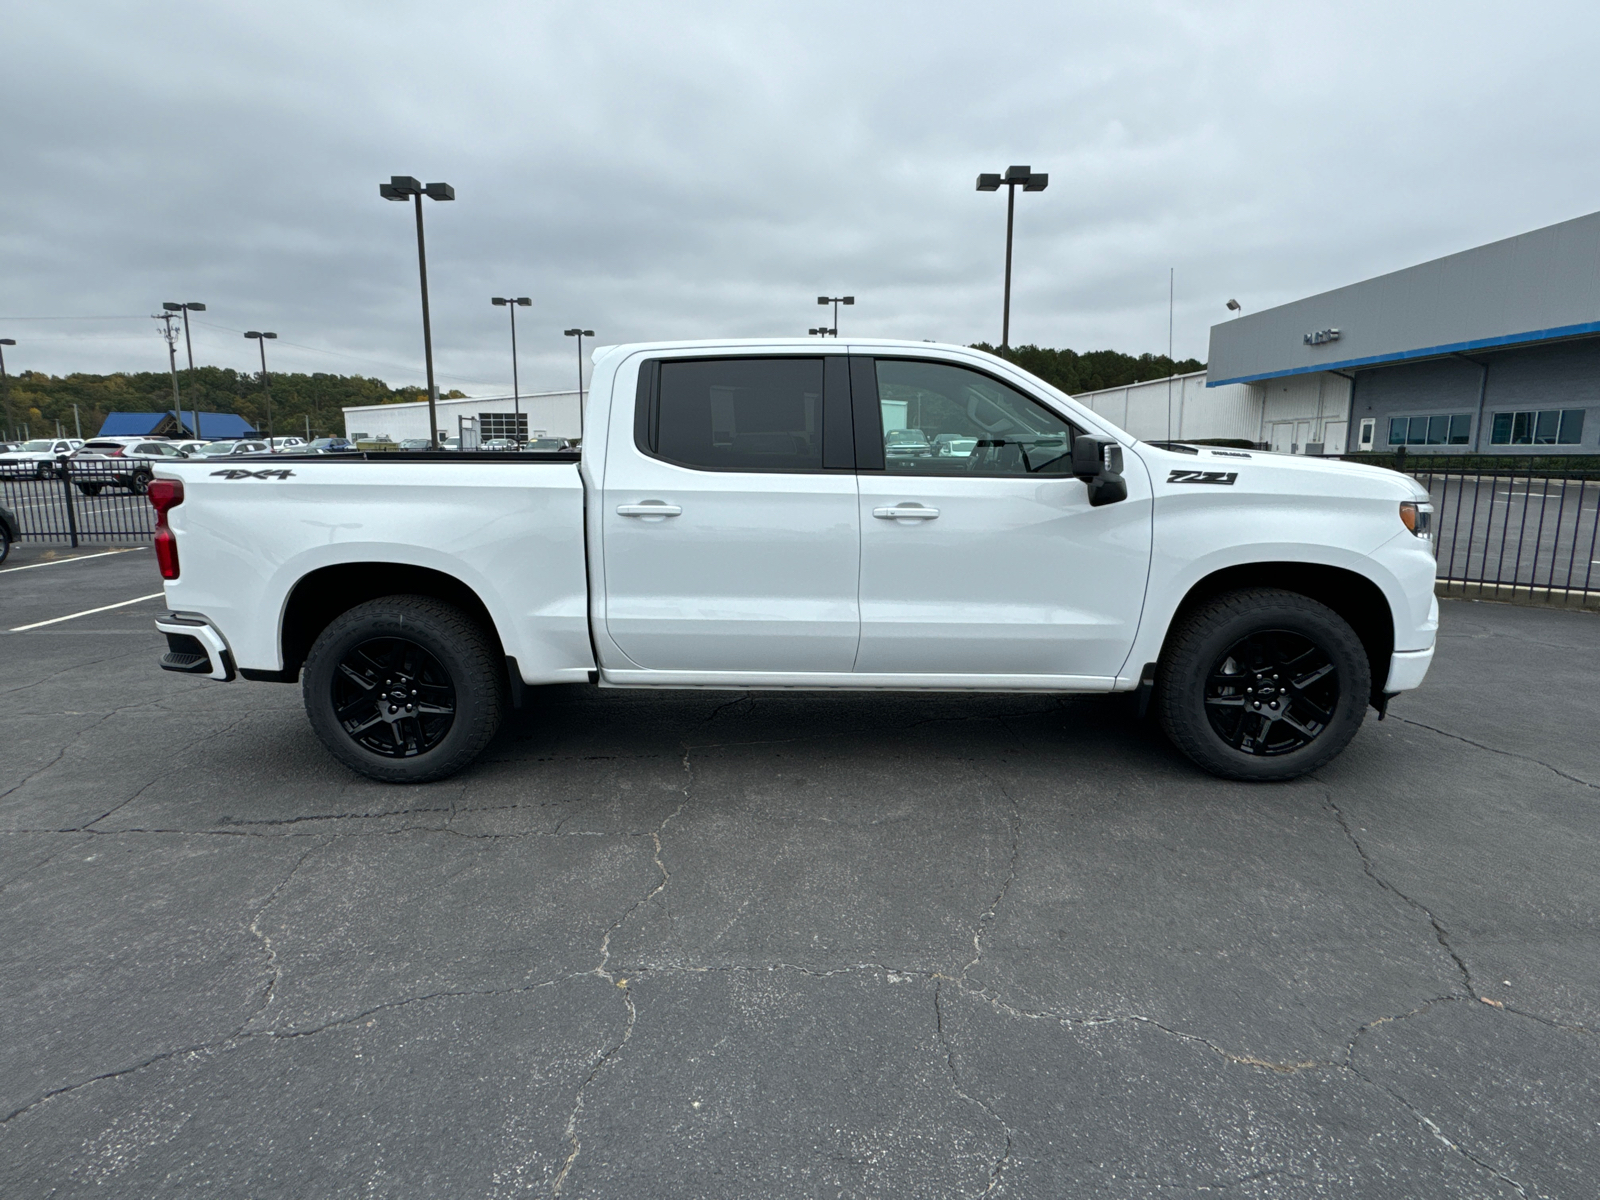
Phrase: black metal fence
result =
(1505, 535)
(80, 500)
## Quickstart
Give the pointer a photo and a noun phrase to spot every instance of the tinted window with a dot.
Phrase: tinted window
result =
(740, 414)
(940, 419)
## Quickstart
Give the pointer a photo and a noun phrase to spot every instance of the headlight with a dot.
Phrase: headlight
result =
(1417, 516)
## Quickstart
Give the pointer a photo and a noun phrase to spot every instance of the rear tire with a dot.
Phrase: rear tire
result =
(1262, 685)
(139, 485)
(90, 489)
(5, 545)
(404, 689)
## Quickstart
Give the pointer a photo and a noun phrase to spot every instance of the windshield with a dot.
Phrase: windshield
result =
(37, 444)
(217, 448)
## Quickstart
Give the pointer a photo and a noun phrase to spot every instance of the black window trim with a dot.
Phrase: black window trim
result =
(869, 423)
(647, 413)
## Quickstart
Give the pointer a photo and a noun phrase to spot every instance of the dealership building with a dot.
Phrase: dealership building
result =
(1495, 350)
(475, 419)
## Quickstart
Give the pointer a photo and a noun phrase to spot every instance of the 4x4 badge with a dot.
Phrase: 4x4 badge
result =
(240, 473)
(1225, 478)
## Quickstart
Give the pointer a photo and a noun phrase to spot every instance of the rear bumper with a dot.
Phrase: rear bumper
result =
(194, 647)
(1406, 670)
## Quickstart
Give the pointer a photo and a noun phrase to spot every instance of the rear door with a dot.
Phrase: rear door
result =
(983, 557)
(731, 534)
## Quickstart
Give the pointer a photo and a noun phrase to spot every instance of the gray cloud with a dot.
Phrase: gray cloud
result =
(703, 170)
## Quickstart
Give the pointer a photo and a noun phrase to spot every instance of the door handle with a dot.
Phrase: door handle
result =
(654, 508)
(906, 510)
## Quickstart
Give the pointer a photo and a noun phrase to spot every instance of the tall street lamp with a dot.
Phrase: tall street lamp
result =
(266, 383)
(186, 309)
(510, 305)
(5, 384)
(1029, 182)
(823, 331)
(835, 301)
(401, 187)
(580, 334)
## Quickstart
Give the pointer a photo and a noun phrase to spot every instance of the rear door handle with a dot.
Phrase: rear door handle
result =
(649, 509)
(906, 511)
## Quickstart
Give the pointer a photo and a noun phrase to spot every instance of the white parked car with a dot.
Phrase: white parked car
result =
(287, 445)
(736, 523)
(38, 457)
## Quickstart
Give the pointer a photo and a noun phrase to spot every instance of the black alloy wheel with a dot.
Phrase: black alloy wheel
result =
(393, 698)
(405, 689)
(1262, 684)
(1271, 693)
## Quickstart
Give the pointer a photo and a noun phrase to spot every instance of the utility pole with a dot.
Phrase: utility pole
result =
(171, 334)
(5, 386)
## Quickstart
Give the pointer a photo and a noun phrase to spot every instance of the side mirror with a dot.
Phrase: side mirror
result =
(1098, 462)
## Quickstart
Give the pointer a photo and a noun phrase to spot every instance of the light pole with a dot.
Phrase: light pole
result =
(400, 187)
(266, 383)
(835, 301)
(510, 304)
(186, 309)
(580, 334)
(1029, 182)
(5, 384)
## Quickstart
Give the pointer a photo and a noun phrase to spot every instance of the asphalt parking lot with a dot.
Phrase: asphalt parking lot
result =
(665, 944)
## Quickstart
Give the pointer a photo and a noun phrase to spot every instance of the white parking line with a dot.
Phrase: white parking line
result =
(56, 562)
(88, 612)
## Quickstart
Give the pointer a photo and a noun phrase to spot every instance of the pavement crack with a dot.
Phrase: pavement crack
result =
(1527, 758)
(999, 1165)
(988, 914)
(275, 971)
(1440, 933)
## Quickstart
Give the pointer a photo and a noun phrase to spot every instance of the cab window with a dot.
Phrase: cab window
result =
(738, 414)
(941, 419)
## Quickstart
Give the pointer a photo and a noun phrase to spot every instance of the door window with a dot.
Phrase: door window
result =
(738, 414)
(940, 419)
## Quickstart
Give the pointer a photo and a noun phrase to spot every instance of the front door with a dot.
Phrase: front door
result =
(730, 528)
(980, 554)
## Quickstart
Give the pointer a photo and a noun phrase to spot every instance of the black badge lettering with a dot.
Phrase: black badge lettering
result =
(1225, 478)
(241, 473)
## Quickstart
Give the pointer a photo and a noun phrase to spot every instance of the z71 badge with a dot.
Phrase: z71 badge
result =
(1225, 478)
(240, 473)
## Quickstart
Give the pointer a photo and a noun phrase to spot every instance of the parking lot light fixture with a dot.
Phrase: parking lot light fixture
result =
(580, 334)
(1029, 181)
(835, 301)
(5, 385)
(1235, 307)
(266, 382)
(405, 187)
(188, 345)
(823, 331)
(511, 304)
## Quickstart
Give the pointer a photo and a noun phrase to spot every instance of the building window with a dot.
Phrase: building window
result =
(1546, 427)
(1439, 429)
(511, 427)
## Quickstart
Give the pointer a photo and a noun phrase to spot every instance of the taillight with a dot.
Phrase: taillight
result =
(165, 494)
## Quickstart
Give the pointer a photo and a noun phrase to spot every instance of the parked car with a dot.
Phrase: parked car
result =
(330, 445)
(906, 443)
(122, 462)
(286, 445)
(547, 444)
(498, 444)
(953, 445)
(215, 450)
(415, 444)
(742, 526)
(10, 532)
(38, 457)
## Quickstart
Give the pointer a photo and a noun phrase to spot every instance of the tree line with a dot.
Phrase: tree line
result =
(1093, 370)
(40, 401)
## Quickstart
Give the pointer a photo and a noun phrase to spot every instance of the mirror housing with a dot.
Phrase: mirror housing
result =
(1098, 462)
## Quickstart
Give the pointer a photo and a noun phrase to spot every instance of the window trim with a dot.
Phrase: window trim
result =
(869, 424)
(1532, 428)
(647, 413)
(1427, 419)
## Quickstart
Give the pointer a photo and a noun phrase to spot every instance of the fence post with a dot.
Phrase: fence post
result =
(72, 512)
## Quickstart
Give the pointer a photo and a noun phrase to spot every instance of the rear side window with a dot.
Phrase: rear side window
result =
(738, 414)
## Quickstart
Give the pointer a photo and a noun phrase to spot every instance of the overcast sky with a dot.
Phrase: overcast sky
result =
(698, 170)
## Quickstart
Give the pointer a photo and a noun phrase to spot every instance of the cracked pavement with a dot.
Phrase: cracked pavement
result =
(711, 944)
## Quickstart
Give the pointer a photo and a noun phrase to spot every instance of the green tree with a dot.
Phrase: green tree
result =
(1094, 369)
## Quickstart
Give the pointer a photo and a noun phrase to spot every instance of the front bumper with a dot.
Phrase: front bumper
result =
(194, 647)
(1406, 669)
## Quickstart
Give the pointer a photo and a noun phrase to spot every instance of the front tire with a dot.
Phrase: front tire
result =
(1263, 684)
(404, 689)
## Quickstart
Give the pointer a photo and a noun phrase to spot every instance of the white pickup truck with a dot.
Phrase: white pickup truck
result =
(785, 514)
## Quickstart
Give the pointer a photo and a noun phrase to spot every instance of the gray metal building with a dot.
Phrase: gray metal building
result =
(1494, 350)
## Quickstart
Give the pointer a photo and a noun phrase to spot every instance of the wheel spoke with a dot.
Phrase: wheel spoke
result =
(1226, 701)
(1304, 681)
(1271, 667)
(388, 672)
(357, 677)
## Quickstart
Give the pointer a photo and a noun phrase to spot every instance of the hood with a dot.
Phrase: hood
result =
(1287, 472)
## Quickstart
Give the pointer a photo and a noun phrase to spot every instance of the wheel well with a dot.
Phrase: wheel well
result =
(323, 594)
(1353, 596)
